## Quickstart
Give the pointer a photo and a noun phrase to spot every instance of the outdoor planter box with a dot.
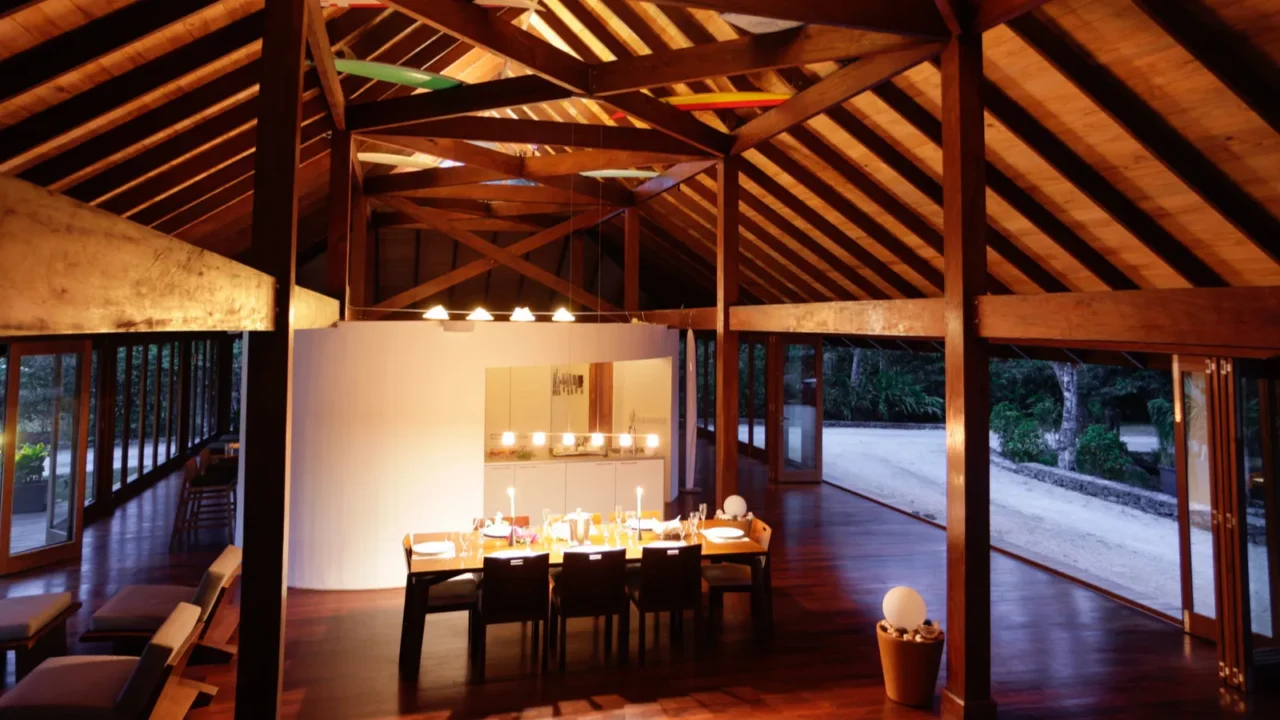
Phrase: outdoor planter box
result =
(30, 497)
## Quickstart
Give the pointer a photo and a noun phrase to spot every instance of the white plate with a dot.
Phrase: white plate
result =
(645, 524)
(723, 533)
(434, 547)
(665, 544)
(497, 531)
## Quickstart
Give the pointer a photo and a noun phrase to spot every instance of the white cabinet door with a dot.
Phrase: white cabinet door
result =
(645, 474)
(589, 485)
(497, 478)
(539, 486)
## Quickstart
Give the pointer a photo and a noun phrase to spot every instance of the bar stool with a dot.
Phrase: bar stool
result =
(206, 500)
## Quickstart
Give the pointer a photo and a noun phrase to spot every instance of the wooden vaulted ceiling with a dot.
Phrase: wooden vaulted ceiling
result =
(1131, 143)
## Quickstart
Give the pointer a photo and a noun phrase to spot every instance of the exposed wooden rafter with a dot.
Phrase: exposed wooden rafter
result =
(322, 56)
(907, 17)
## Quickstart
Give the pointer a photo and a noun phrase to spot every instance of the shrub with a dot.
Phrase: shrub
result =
(1161, 412)
(1023, 441)
(28, 464)
(1003, 418)
(1100, 452)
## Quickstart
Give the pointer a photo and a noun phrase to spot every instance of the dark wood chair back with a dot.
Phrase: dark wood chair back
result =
(670, 578)
(593, 582)
(515, 589)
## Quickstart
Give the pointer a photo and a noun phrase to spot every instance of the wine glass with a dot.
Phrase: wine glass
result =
(629, 519)
(684, 528)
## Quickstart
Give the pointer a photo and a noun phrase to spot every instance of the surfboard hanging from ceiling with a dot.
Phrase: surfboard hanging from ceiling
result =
(721, 101)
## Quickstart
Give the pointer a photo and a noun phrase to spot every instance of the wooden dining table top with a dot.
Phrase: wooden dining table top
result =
(479, 546)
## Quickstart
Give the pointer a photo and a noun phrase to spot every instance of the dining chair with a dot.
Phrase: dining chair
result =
(669, 581)
(591, 583)
(729, 576)
(456, 594)
(515, 589)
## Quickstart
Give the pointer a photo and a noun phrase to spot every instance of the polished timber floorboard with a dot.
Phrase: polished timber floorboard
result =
(1059, 650)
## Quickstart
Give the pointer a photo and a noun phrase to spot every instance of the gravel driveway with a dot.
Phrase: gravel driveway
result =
(1123, 550)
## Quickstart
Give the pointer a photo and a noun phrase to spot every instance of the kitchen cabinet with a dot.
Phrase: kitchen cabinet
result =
(590, 486)
(539, 486)
(643, 473)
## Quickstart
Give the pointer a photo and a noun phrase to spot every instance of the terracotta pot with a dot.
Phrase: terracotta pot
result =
(910, 668)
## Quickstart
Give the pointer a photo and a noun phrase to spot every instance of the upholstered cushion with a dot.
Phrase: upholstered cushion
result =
(22, 617)
(76, 687)
(726, 575)
(140, 607)
(161, 653)
(215, 577)
(460, 590)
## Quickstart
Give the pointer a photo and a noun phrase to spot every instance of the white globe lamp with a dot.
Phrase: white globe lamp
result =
(735, 506)
(904, 608)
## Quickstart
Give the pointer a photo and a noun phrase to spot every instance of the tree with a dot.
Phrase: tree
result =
(1065, 372)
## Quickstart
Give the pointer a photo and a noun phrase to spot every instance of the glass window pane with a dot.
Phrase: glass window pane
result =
(4, 403)
(135, 412)
(1253, 474)
(744, 394)
(237, 352)
(121, 425)
(759, 432)
(45, 464)
(800, 407)
(1195, 410)
(148, 435)
(90, 487)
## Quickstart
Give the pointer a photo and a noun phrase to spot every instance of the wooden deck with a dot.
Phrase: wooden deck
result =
(1059, 650)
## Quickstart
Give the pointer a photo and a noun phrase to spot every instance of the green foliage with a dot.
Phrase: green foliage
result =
(1161, 412)
(1100, 452)
(891, 386)
(892, 395)
(28, 464)
(1023, 441)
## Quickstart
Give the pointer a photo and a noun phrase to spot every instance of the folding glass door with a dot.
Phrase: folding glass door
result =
(795, 408)
(46, 427)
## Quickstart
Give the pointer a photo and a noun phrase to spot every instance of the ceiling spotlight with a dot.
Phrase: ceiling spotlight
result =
(562, 315)
(539, 439)
(597, 439)
(436, 313)
(624, 440)
(480, 314)
(522, 314)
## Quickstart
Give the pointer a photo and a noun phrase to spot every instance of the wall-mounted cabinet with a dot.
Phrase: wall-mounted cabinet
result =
(563, 486)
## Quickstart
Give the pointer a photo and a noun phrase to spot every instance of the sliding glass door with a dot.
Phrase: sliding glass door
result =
(795, 427)
(46, 427)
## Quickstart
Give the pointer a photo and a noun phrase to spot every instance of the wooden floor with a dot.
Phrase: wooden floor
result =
(1060, 650)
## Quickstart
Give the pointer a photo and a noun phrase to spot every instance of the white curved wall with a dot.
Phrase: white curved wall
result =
(388, 432)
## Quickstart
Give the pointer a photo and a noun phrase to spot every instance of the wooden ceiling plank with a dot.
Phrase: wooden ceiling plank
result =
(506, 257)
(1249, 73)
(812, 275)
(699, 239)
(63, 53)
(852, 213)
(231, 128)
(815, 219)
(1054, 151)
(70, 161)
(457, 151)
(33, 131)
(832, 90)
(12, 7)
(1045, 221)
(404, 183)
(322, 55)
(543, 132)
(904, 17)
(474, 25)
(803, 45)
(998, 12)
(493, 193)
(463, 100)
(1150, 129)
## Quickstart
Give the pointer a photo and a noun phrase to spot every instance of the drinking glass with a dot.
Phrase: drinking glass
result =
(628, 518)
(684, 528)
(461, 543)
(617, 513)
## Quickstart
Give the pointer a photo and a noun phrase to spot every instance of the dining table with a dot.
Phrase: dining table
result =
(424, 571)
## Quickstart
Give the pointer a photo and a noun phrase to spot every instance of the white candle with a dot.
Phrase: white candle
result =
(511, 493)
(639, 492)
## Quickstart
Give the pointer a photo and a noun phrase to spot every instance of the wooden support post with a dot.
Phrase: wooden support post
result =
(362, 260)
(726, 339)
(968, 690)
(631, 261)
(340, 181)
(267, 428)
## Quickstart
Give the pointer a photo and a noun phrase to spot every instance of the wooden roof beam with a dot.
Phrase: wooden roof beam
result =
(1251, 74)
(504, 256)
(322, 56)
(543, 132)
(832, 90)
(539, 166)
(463, 100)
(1150, 129)
(904, 17)
(1045, 221)
(803, 45)
(63, 53)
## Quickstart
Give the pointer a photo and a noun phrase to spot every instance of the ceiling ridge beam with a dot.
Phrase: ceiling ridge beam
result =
(100, 36)
(1020, 200)
(1150, 129)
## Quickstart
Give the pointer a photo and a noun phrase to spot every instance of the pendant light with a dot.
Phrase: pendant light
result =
(480, 315)
(508, 439)
(436, 313)
(539, 439)
(562, 315)
(651, 440)
(568, 439)
(522, 314)
(597, 439)
(624, 440)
